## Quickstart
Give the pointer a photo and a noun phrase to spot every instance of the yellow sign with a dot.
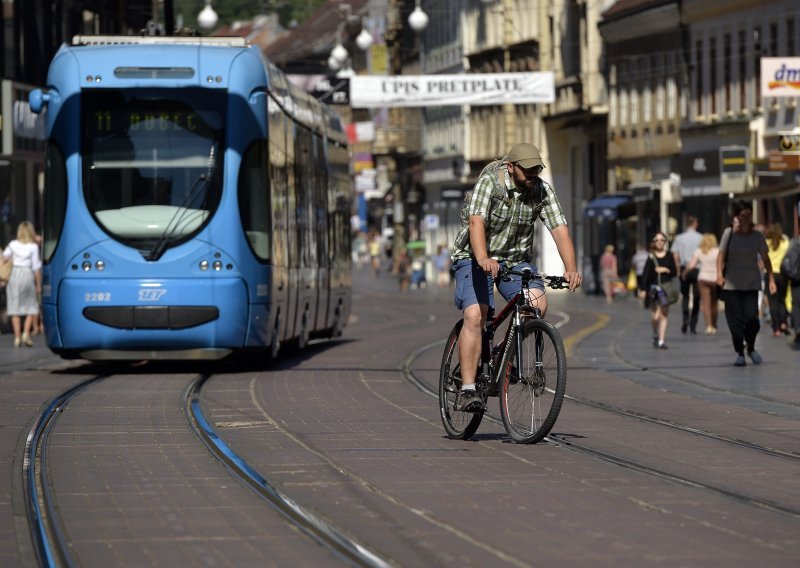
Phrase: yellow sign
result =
(379, 60)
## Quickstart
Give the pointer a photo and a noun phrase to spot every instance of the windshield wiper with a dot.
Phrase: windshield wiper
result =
(200, 184)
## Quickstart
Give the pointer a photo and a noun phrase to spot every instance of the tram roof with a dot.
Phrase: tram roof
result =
(85, 40)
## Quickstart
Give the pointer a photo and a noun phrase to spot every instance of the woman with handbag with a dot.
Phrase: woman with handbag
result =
(659, 289)
(739, 274)
(24, 284)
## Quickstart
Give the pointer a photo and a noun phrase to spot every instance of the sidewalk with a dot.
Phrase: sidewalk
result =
(621, 343)
(697, 365)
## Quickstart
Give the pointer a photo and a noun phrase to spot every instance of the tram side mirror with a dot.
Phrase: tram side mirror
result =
(38, 99)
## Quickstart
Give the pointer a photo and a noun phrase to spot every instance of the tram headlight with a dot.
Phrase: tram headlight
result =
(87, 266)
(203, 265)
(100, 265)
(217, 265)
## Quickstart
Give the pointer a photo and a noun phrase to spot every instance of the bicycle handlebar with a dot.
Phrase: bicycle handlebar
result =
(554, 282)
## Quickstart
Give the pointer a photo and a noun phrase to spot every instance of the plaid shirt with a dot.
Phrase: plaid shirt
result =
(510, 222)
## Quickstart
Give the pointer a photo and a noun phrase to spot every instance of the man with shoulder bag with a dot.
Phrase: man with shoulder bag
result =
(790, 269)
(683, 248)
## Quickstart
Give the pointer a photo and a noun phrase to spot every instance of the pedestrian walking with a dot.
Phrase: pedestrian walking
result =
(738, 272)
(777, 245)
(24, 284)
(608, 271)
(375, 254)
(705, 260)
(442, 262)
(404, 271)
(790, 269)
(659, 289)
(684, 247)
(638, 261)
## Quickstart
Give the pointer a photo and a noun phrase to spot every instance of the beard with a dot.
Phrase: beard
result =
(525, 184)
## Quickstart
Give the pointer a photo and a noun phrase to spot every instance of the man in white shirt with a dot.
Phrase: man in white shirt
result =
(683, 248)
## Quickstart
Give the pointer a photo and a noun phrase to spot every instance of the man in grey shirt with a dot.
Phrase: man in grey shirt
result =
(739, 274)
(683, 249)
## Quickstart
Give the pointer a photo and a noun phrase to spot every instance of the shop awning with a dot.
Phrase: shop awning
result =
(607, 206)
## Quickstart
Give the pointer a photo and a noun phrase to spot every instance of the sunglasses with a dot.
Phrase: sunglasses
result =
(535, 170)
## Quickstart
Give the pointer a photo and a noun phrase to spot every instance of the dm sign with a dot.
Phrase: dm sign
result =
(780, 76)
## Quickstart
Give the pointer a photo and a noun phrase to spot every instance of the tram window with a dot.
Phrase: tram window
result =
(152, 162)
(254, 202)
(55, 199)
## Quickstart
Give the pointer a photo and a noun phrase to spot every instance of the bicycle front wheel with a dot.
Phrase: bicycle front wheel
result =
(458, 425)
(532, 383)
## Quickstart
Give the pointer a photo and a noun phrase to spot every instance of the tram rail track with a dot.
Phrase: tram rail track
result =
(324, 533)
(49, 536)
(564, 441)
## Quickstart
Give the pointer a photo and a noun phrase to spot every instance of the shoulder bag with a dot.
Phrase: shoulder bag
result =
(6, 265)
(669, 287)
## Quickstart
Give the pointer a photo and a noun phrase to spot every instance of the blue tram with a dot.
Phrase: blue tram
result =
(196, 203)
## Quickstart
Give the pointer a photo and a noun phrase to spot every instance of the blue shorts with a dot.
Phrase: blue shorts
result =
(474, 286)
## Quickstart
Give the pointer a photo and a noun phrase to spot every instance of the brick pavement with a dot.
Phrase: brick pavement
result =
(343, 432)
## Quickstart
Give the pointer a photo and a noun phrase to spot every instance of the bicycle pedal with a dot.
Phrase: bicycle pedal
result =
(474, 408)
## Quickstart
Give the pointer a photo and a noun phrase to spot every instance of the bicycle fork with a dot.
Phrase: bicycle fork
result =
(537, 381)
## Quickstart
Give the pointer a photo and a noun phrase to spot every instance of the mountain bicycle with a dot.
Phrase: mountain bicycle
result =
(527, 370)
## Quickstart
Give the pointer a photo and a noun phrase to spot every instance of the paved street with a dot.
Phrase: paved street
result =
(341, 430)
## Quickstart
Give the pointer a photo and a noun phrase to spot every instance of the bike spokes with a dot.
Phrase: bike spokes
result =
(457, 424)
(528, 405)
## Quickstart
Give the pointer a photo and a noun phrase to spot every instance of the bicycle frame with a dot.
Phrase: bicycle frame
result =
(490, 354)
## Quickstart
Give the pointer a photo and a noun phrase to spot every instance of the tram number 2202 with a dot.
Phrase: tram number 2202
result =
(97, 296)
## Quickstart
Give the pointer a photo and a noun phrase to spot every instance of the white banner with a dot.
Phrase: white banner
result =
(370, 91)
(780, 76)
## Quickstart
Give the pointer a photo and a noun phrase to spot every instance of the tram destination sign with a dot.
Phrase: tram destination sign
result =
(476, 89)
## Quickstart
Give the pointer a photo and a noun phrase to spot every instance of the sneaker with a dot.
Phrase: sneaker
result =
(468, 401)
(662, 346)
(755, 357)
(17, 342)
(27, 340)
(655, 341)
(740, 362)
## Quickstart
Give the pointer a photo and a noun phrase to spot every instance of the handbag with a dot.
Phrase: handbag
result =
(670, 290)
(633, 282)
(5, 269)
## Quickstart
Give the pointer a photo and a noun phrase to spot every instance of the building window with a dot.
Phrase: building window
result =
(699, 83)
(773, 39)
(712, 63)
(790, 37)
(757, 53)
(726, 66)
(743, 70)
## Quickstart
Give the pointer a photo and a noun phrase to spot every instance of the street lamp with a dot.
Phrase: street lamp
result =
(418, 20)
(339, 55)
(364, 39)
(207, 18)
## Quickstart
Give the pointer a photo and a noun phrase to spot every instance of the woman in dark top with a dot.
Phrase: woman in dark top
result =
(740, 277)
(660, 263)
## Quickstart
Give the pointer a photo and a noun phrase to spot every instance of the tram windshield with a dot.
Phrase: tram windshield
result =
(152, 163)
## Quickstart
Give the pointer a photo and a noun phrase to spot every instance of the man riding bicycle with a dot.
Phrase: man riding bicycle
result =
(498, 228)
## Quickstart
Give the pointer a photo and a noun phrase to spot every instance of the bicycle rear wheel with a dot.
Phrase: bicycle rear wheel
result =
(458, 425)
(532, 386)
